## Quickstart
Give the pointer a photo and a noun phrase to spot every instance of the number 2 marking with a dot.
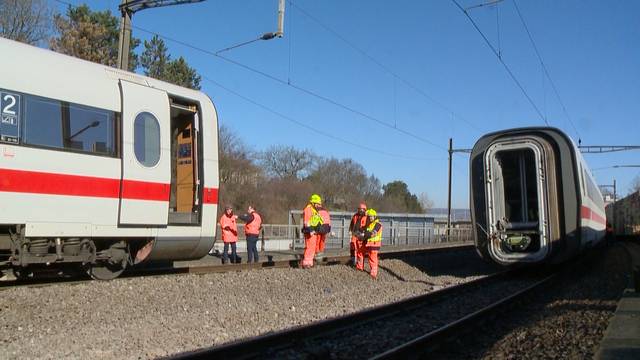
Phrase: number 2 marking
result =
(7, 109)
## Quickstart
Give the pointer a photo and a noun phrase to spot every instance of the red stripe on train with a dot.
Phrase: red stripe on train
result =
(210, 196)
(58, 184)
(587, 213)
(34, 182)
(142, 190)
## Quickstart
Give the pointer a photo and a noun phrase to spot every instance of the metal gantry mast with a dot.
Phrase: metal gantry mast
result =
(127, 9)
(130, 7)
(597, 149)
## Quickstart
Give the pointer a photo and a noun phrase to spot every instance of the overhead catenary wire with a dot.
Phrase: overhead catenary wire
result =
(283, 82)
(499, 57)
(546, 71)
(308, 127)
(384, 67)
(297, 87)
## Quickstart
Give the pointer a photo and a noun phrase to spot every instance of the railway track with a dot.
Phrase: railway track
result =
(398, 330)
(208, 269)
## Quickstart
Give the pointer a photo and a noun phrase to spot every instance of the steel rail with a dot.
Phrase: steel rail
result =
(415, 348)
(209, 269)
(268, 343)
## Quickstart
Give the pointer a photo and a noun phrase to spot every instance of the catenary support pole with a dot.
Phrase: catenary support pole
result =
(125, 36)
(449, 191)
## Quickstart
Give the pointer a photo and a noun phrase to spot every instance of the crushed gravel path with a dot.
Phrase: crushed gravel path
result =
(157, 316)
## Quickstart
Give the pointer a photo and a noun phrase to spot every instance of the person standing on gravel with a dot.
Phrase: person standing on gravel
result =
(252, 226)
(356, 228)
(370, 244)
(229, 234)
(310, 221)
(322, 229)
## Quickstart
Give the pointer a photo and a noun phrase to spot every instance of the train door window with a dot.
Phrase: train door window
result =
(520, 186)
(146, 139)
(184, 204)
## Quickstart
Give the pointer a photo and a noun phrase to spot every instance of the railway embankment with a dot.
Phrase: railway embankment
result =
(148, 317)
(566, 320)
(622, 338)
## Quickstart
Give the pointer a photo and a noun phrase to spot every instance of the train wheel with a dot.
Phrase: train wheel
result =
(117, 258)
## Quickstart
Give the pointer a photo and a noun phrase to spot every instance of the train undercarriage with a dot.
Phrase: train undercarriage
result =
(102, 259)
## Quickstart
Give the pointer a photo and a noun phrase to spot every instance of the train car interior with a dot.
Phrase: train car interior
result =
(184, 202)
(516, 191)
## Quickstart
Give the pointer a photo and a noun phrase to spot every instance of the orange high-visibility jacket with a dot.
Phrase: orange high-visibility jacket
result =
(358, 222)
(324, 214)
(229, 235)
(253, 227)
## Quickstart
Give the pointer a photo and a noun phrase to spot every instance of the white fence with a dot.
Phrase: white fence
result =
(279, 237)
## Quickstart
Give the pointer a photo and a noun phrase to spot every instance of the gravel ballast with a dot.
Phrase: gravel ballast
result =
(157, 316)
(565, 321)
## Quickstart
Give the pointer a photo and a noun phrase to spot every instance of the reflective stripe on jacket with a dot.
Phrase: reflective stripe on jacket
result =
(311, 217)
(375, 241)
(253, 227)
(324, 214)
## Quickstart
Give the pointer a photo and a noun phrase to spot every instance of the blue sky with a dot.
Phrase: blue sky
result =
(590, 49)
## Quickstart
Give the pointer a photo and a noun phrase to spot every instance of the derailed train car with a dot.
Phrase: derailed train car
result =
(533, 199)
(101, 168)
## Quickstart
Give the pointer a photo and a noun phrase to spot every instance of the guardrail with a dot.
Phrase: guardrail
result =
(289, 237)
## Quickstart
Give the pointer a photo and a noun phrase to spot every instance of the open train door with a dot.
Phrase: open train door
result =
(146, 177)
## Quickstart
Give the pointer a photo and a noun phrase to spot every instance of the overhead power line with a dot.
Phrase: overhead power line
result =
(546, 71)
(286, 83)
(299, 88)
(313, 129)
(384, 67)
(499, 57)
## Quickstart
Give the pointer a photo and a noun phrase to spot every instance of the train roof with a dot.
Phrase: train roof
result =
(484, 140)
(50, 74)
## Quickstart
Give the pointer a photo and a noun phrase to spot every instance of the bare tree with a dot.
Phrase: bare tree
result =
(236, 165)
(286, 161)
(425, 201)
(635, 185)
(27, 21)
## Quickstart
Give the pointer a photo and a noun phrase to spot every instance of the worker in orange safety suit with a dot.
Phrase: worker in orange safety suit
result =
(311, 219)
(356, 228)
(229, 234)
(370, 243)
(252, 227)
(322, 229)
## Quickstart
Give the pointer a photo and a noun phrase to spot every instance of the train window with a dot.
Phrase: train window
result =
(146, 139)
(63, 125)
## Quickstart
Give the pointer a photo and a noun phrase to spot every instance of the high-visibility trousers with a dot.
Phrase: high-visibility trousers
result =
(360, 253)
(353, 246)
(320, 243)
(371, 253)
(310, 244)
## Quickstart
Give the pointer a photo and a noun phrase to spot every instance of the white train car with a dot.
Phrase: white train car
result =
(533, 199)
(101, 167)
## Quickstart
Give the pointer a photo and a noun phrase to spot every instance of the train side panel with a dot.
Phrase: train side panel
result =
(58, 181)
